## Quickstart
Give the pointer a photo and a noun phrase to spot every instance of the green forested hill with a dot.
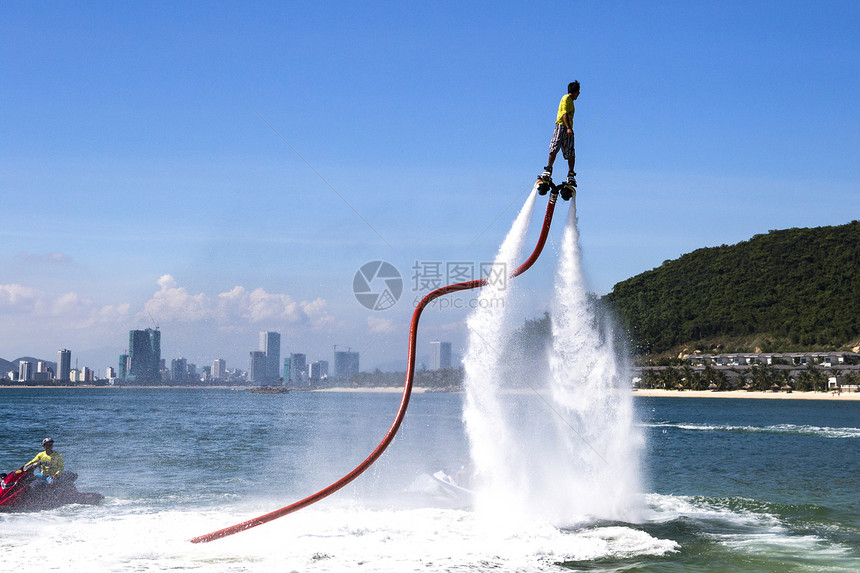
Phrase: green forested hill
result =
(791, 289)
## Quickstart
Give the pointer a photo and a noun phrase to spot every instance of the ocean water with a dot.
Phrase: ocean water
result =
(728, 485)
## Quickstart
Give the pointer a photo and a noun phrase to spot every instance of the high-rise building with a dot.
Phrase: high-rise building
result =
(319, 370)
(345, 364)
(122, 370)
(43, 372)
(64, 364)
(144, 355)
(287, 369)
(440, 355)
(270, 343)
(257, 367)
(298, 368)
(179, 370)
(25, 371)
(219, 369)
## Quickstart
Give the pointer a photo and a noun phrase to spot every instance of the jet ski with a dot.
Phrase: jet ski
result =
(23, 491)
(451, 487)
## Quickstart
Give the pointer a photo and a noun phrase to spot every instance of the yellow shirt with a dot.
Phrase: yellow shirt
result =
(565, 107)
(50, 465)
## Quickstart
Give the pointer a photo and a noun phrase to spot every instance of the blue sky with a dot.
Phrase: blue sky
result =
(227, 168)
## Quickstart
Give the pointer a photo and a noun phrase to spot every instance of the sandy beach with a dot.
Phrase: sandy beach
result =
(750, 395)
(848, 396)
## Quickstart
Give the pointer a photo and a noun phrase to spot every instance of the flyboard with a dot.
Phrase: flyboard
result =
(566, 188)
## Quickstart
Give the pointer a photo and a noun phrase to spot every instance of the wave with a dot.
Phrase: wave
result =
(792, 429)
(342, 536)
(800, 533)
(679, 533)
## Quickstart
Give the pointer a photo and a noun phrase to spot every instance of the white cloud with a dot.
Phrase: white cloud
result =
(174, 303)
(69, 303)
(43, 258)
(263, 306)
(16, 298)
(317, 314)
(37, 321)
(69, 310)
(379, 325)
(113, 312)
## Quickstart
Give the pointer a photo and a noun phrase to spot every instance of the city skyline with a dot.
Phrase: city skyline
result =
(440, 356)
(189, 178)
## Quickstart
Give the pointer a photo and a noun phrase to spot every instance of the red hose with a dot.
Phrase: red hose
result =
(404, 402)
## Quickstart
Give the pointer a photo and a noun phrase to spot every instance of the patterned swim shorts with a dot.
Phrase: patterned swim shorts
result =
(560, 139)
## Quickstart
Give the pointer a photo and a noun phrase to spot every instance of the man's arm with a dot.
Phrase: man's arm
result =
(568, 121)
(34, 462)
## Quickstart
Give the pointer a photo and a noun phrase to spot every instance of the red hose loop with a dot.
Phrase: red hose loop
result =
(404, 402)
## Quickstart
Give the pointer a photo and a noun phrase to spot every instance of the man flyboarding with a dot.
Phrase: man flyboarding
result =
(562, 136)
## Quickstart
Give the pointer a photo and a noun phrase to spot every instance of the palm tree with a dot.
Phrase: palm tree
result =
(671, 378)
(804, 381)
(786, 382)
(741, 380)
(691, 379)
(722, 381)
(851, 379)
(650, 379)
(764, 377)
(708, 376)
(818, 378)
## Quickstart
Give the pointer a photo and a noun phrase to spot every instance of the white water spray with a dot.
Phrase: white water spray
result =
(484, 371)
(561, 447)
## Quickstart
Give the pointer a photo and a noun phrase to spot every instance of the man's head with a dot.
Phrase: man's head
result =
(48, 443)
(573, 88)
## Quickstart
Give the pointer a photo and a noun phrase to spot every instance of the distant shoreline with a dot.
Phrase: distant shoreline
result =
(648, 393)
(376, 390)
(371, 390)
(741, 394)
(109, 387)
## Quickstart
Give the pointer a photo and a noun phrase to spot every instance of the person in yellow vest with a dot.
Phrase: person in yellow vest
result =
(562, 136)
(49, 462)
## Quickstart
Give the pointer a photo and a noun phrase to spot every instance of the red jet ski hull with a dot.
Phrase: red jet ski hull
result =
(19, 493)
